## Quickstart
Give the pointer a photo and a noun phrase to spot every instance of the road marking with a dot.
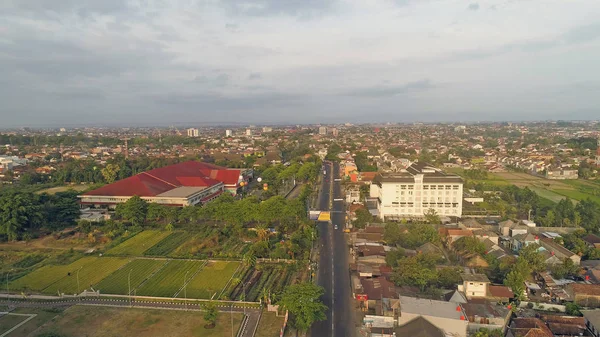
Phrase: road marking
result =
(332, 285)
(338, 199)
(31, 316)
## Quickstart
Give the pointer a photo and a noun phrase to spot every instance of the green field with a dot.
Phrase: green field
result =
(89, 275)
(212, 278)
(168, 244)
(138, 244)
(117, 282)
(168, 281)
(42, 278)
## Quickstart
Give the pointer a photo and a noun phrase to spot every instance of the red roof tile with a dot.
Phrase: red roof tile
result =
(160, 180)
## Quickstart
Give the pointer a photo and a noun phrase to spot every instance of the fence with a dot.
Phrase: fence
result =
(544, 306)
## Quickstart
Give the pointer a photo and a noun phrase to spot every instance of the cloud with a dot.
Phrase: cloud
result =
(218, 80)
(388, 91)
(473, 7)
(294, 8)
(254, 76)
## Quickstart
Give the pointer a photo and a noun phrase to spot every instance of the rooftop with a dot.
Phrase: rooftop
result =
(419, 327)
(474, 278)
(427, 307)
(182, 192)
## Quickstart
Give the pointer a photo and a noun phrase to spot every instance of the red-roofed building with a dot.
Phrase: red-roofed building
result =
(183, 184)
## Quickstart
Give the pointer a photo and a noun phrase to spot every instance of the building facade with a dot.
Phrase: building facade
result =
(192, 132)
(414, 191)
(184, 184)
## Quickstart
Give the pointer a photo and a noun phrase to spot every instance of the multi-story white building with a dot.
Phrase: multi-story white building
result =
(228, 133)
(412, 192)
(192, 132)
(322, 130)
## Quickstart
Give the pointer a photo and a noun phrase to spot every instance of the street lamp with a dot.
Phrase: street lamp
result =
(78, 280)
(129, 283)
(7, 291)
(231, 314)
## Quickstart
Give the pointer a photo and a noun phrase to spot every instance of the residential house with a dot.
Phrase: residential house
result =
(585, 295)
(559, 251)
(592, 321)
(418, 327)
(453, 234)
(565, 325)
(520, 241)
(474, 285)
(447, 316)
(528, 327)
(592, 240)
(484, 314)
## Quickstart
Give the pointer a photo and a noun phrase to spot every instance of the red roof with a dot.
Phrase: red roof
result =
(160, 180)
(227, 176)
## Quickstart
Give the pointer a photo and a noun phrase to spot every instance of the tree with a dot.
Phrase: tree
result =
(392, 234)
(414, 271)
(134, 210)
(393, 256)
(363, 216)
(469, 244)
(303, 302)
(109, 173)
(432, 217)
(483, 332)
(532, 257)
(19, 211)
(449, 277)
(573, 309)
(211, 313)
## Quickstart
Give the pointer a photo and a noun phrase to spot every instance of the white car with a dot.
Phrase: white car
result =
(335, 227)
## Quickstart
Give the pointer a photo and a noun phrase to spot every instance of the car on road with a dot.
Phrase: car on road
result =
(335, 227)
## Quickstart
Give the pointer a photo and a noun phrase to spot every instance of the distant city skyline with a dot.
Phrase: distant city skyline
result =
(238, 62)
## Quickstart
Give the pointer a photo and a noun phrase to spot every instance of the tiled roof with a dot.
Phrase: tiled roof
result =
(161, 180)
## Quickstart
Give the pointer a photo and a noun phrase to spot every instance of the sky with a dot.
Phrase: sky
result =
(171, 62)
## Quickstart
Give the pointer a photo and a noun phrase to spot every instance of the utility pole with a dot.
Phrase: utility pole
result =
(7, 291)
(129, 283)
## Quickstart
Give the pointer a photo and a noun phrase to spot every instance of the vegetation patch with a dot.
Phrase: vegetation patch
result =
(169, 280)
(140, 270)
(168, 244)
(212, 278)
(89, 275)
(138, 244)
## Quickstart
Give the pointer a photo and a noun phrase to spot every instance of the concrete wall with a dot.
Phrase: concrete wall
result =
(475, 289)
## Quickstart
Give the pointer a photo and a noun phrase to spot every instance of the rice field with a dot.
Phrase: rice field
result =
(118, 282)
(138, 244)
(211, 278)
(169, 280)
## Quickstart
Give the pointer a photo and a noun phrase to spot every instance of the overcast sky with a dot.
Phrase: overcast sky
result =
(74, 62)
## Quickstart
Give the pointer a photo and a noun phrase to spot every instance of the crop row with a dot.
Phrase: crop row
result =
(168, 281)
(118, 282)
(138, 244)
(168, 244)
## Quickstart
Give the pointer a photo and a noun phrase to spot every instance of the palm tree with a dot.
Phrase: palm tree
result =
(262, 232)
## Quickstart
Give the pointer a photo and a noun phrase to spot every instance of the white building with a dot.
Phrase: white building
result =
(267, 129)
(412, 192)
(228, 133)
(192, 132)
(322, 130)
(248, 132)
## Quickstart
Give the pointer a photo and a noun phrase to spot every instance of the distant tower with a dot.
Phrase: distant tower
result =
(598, 152)
(126, 147)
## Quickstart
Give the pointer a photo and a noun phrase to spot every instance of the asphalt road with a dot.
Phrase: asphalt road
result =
(333, 272)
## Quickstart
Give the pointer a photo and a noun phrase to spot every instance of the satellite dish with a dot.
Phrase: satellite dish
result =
(259, 179)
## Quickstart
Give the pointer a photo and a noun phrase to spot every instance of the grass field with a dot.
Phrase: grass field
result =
(89, 275)
(168, 244)
(27, 329)
(42, 278)
(269, 325)
(117, 282)
(53, 190)
(212, 278)
(168, 281)
(7, 322)
(138, 244)
(105, 321)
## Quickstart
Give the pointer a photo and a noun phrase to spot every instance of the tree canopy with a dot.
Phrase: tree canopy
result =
(303, 301)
